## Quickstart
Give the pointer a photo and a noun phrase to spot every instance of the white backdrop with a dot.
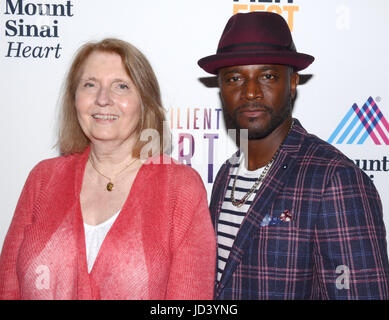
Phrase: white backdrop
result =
(348, 39)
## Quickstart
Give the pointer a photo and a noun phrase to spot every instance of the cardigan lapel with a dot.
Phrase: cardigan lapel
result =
(270, 188)
(132, 260)
(128, 216)
(86, 289)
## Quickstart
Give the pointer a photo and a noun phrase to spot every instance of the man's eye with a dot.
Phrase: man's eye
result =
(268, 76)
(233, 79)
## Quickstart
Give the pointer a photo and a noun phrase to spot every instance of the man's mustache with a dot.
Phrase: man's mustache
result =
(253, 106)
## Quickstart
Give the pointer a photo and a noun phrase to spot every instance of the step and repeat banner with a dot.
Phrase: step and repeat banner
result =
(344, 98)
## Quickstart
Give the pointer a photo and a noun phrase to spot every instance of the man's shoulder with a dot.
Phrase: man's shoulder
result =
(320, 150)
(319, 154)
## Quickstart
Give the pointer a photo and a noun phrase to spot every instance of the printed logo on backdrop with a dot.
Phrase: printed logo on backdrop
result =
(286, 8)
(33, 28)
(361, 123)
(196, 132)
(364, 126)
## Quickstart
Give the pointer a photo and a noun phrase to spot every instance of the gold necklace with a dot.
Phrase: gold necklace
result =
(241, 202)
(110, 184)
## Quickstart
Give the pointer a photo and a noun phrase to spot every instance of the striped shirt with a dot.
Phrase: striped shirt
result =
(231, 217)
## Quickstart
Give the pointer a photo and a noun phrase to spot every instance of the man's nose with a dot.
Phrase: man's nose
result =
(253, 90)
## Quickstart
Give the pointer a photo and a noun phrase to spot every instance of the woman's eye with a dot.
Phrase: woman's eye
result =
(120, 86)
(123, 86)
(89, 85)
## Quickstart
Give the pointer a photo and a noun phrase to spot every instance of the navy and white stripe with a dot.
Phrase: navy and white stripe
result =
(231, 217)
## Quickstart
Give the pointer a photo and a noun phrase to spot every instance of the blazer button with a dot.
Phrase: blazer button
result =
(284, 166)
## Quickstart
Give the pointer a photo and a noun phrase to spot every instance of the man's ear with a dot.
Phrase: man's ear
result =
(294, 81)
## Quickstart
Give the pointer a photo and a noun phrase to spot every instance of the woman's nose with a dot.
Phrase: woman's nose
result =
(103, 97)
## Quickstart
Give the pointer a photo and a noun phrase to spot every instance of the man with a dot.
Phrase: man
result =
(295, 218)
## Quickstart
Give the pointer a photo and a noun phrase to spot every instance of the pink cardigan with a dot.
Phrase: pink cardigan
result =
(161, 246)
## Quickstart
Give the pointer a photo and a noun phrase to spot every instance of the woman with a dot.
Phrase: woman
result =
(100, 222)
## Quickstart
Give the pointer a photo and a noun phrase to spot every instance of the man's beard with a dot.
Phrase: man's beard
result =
(275, 119)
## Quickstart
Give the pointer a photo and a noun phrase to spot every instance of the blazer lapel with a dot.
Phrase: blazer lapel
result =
(220, 187)
(270, 188)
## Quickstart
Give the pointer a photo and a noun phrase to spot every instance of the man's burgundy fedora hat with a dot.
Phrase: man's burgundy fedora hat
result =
(255, 38)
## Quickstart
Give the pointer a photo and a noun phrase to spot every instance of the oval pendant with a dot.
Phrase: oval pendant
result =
(109, 186)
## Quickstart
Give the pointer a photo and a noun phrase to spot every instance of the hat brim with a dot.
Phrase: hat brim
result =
(213, 63)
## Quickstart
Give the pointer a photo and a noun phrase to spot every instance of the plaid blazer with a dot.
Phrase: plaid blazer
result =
(332, 247)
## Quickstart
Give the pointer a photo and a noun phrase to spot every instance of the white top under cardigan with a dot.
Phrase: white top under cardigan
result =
(94, 237)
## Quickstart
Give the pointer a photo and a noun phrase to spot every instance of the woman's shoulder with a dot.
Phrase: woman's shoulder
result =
(170, 166)
(182, 185)
(57, 165)
(58, 161)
